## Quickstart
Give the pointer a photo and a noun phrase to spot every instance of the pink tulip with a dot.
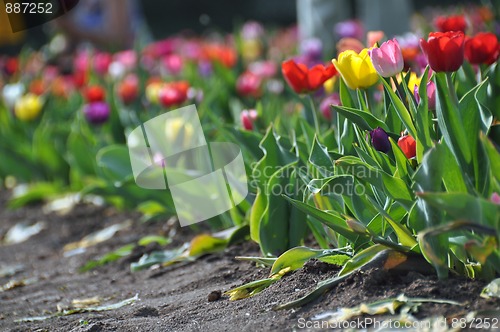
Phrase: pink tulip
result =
(173, 63)
(247, 118)
(431, 95)
(495, 198)
(387, 59)
(325, 106)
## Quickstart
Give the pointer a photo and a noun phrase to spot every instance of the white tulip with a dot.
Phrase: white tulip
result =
(11, 93)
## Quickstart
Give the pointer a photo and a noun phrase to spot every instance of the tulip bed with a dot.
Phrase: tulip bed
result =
(386, 156)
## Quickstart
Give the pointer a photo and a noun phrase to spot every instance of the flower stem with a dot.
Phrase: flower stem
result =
(313, 113)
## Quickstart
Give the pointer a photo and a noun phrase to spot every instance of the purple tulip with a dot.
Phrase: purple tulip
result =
(380, 140)
(431, 95)
(205, 68)
(312, 48)
(387, 59)
(96, 112)
(252, 30)
(349, 29)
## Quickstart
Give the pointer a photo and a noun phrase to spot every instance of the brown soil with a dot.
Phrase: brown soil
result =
(184, 297)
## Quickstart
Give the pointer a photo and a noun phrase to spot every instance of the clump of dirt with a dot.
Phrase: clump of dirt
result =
(184, 297)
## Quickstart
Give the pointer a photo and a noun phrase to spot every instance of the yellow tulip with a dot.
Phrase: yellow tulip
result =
(329, 85)
(153, 92)
(28, 107)
(413, 81)
(356, 69)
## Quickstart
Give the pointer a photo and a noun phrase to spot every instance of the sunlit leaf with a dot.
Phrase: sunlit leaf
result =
(491, 290)
(161, 240)
(109, 257)
(72, 311)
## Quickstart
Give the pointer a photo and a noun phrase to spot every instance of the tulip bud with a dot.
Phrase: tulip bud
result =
(153, 92)
(356, 69)
(94, 93)
(248, 84)
(495, 198)
(128, 90)
(173, 63)
(11, 93)
(248, 118)
(97, 112)
(380, 140)
(325, 106)
(173, 94)
(431, 95)
(28, 107)
(387, 59)
(408, 145)
(444, 50)
(102, 62)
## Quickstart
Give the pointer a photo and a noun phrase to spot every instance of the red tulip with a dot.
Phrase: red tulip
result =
(451, 23)
(482, 48)
(11, 66)
(128, 89)
(94, 93)
(304, 80)
(408, 146)
(444, 50)
(174, 93)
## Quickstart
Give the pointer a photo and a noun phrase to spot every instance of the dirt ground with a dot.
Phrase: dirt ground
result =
(176, 298)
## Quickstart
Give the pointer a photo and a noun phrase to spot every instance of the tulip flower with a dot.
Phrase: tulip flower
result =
(356, 69)
(387, 59)
(408, 145)
(11, 93)
(380, 140)
(37, 87)
(102, 62)
(482, 48)
(325, 106)
(128, 89)
(173, 93)
(311, 48)
(346, 44)
(173, 64)
(495, 198)
(94, 93)
(97, 112)
(153, 92)
(11, 66)
(248, 84)
(444, 50)
(451, 23)
(28, 107)
(431, 95)
(413, 82)
(263, 69)
(304, 80)
(252, 30)
(349, 29)
(247, 118)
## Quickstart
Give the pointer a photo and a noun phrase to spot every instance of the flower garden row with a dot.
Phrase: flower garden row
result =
(391, 148)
